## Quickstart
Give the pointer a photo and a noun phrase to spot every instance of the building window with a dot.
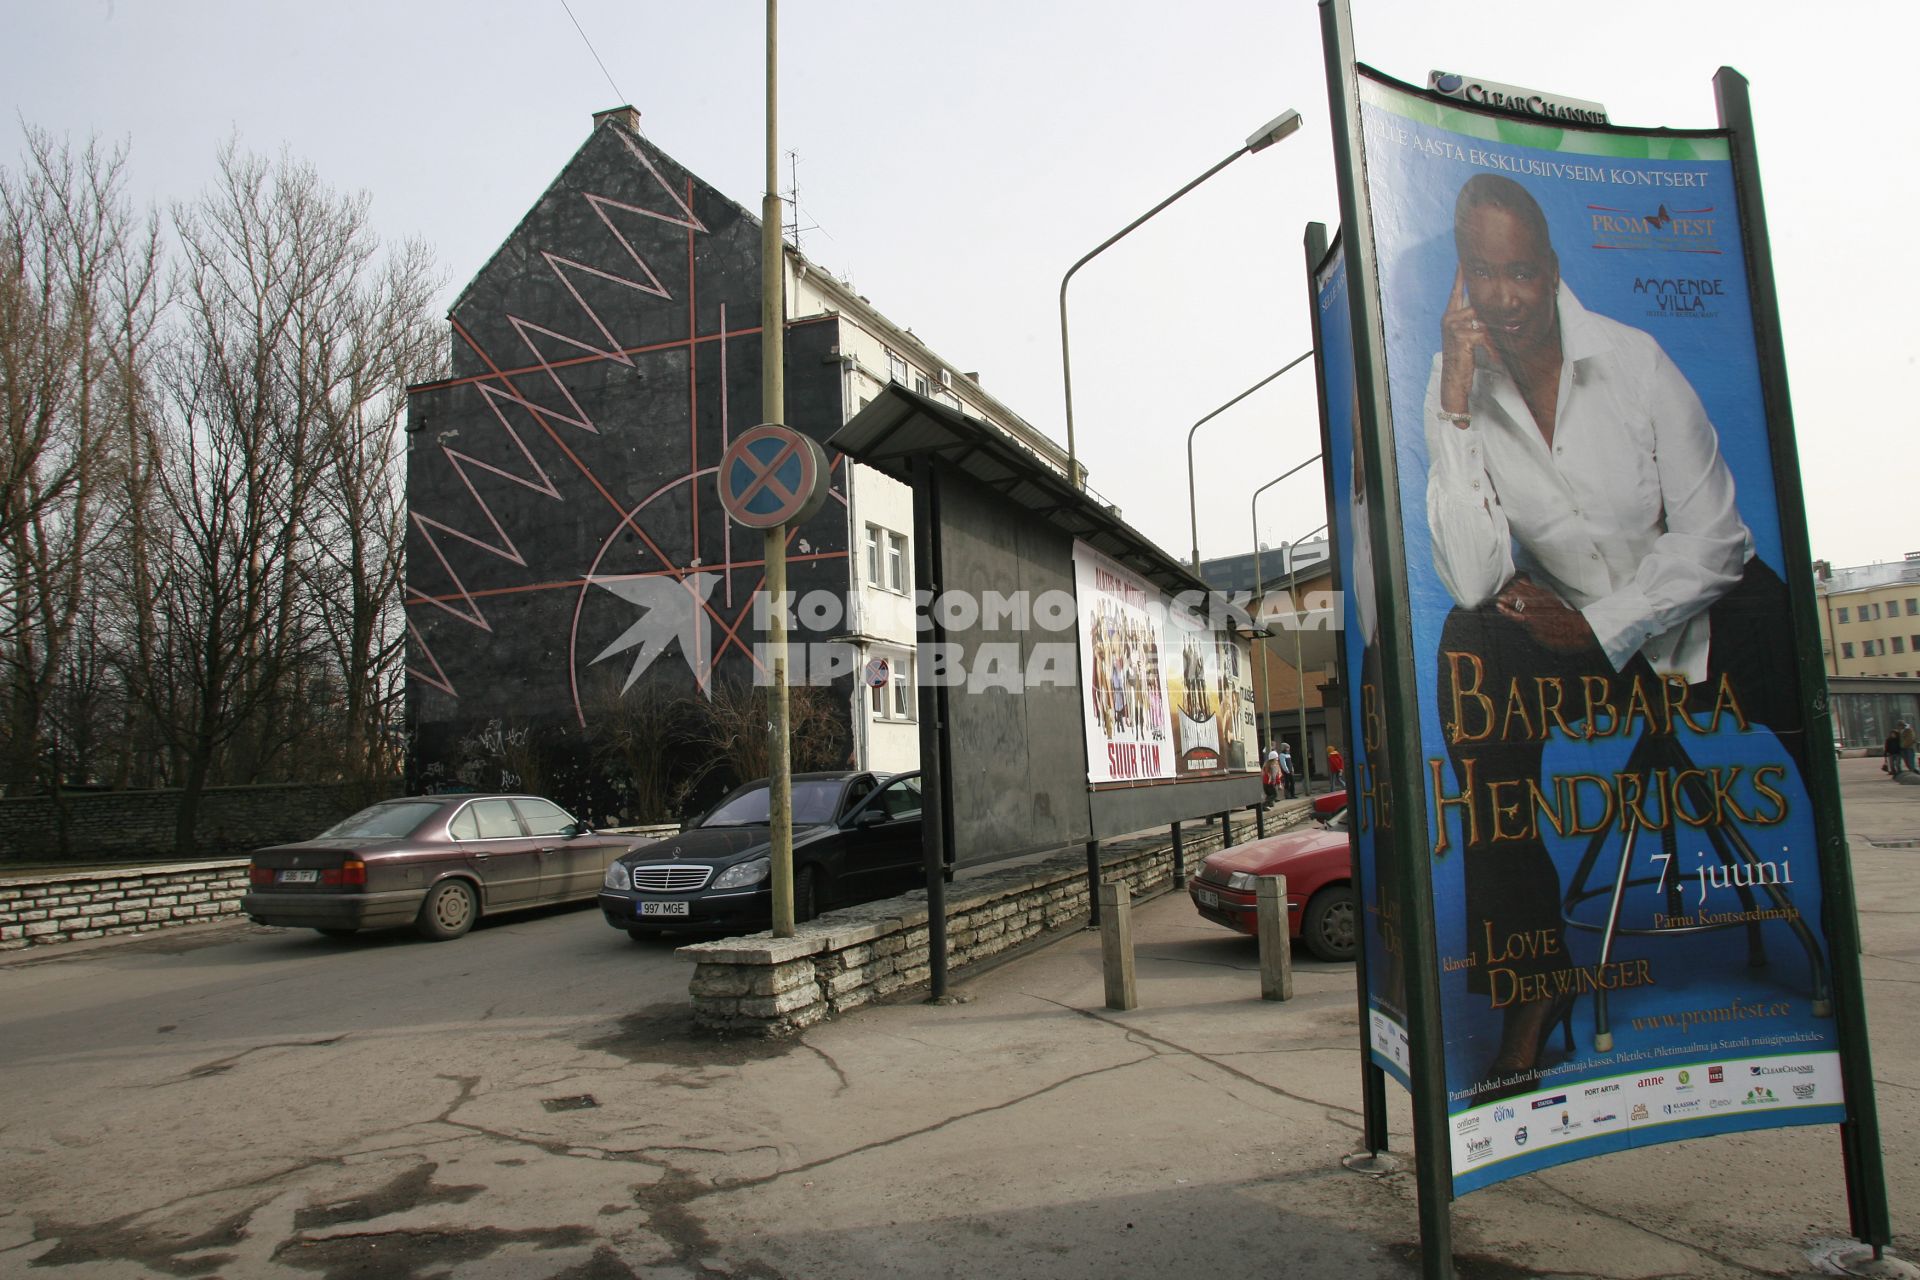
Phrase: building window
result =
(873, 554)
(897, 370)
(1913, 607)
(920, 383)
(1875, 615)
(1846, 648)
(1915, 642)
(1899, 644)
(896, 563)
(903, 689)
(1843, 613)
(894, 699)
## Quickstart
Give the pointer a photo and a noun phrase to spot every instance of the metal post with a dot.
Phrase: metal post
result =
(1265, 136)
(1093, 882)
(1860, 1135)
(1179, 860)
(1260, 821)
(1402, 763)
(934, 815)
(773, 399)
(1261, 733)
(1193, 517)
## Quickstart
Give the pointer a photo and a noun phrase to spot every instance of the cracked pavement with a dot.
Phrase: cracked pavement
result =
(253, 1103)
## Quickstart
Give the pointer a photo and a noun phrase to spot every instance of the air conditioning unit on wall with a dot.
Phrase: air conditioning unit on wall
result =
(946, 378)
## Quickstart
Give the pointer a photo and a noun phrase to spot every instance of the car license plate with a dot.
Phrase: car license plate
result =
(663, 908)
(1207, 897)
(299, 877)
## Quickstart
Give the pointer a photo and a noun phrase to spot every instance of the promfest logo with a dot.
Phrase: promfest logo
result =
(1662, 229)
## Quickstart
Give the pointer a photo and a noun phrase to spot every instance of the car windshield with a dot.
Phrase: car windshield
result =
(391, 820)
(814, 803)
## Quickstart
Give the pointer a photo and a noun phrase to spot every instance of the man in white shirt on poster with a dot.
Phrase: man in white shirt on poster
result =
(1584, 521)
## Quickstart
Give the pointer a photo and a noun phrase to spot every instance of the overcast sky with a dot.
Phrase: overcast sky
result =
(955, 158)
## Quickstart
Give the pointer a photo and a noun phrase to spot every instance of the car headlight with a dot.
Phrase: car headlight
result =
(1242, 881)
(617, 877)
(752, 871)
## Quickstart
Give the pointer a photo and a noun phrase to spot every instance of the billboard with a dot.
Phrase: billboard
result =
(1627, 896)
(1380, 920)
(1165, 694)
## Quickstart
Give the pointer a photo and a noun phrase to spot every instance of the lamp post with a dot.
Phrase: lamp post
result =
(1261, 735)
(1193, 518)
(1300, 676)
(1259, 140)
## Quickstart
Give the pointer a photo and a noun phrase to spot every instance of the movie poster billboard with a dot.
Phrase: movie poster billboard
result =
(1165, 695)
(1608, 704)
(1387, 1020)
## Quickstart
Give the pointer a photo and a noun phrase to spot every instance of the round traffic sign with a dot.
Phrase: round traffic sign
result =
(879, 671)
(772, 475)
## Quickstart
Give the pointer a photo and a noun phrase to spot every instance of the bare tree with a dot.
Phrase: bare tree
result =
(77, 302)
(291, 341)
(732, 732)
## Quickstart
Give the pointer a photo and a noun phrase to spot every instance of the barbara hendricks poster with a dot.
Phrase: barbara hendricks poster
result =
(1607, 699)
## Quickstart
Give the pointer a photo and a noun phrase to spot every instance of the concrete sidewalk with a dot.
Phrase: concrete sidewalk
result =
(1028, 1131)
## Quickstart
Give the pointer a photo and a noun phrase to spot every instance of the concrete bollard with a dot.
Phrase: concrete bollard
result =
(1116, 944)
(1276, 949)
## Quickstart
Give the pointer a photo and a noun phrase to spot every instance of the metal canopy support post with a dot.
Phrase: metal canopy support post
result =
(1406, 838)
(1373, 1078)
(1860, 1133)
(935, 809)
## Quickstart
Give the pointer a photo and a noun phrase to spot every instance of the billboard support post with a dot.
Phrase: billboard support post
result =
(1403, 847)
(934, 808)
(1860, 1133)
(1373, 1079)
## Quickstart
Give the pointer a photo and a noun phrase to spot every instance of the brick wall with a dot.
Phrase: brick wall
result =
(92, 904)
(775, 986)
(113, 824)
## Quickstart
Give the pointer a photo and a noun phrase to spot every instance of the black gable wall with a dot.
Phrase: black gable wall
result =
(561, 480)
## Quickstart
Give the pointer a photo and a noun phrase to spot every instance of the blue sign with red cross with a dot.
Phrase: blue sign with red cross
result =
(772, 475)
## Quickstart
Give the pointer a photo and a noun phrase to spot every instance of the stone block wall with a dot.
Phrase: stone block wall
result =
(770, 986)
(138, 824)
(92, 904)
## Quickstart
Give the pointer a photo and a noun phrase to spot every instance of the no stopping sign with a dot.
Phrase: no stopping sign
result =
(772, 475)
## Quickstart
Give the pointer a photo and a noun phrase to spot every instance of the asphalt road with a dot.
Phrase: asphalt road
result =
(67, 1010)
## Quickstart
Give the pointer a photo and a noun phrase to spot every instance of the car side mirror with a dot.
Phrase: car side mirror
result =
(576, 829)
(871, 818)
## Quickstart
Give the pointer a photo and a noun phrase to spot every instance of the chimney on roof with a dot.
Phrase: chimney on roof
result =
(1822, 571)
(626, 116)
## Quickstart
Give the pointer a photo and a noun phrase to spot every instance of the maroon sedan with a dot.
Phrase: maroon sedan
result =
(1316, 863)
(436, 862)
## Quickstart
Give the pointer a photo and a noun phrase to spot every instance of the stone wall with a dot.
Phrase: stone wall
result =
(139, 824)
(775, 986)
(92, 904)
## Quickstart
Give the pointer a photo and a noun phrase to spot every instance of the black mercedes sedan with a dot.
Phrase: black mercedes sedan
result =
(856, 838)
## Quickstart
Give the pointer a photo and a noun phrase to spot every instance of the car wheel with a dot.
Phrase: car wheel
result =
(806, 893)
(448, 912)
(336, 933)
(1329, 926)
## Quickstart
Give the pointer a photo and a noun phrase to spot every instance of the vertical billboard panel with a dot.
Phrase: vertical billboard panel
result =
(1626, 886)
(1367, 810)
(1166, 694)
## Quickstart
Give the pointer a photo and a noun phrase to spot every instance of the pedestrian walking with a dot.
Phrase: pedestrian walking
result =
(1270, 774)
(1893, 757)
(1336, 765)
(1906, 746)
(1287, 774)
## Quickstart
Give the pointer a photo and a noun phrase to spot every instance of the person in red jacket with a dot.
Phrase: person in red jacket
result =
(1336, 765)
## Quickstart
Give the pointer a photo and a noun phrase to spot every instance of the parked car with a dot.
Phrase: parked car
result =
(1325, 806)
(856, 837)
(1316, 863)
(436, 862)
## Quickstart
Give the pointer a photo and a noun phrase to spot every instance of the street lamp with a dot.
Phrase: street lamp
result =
(1193, 519)
(1259, 140)
(1300, 675)
(1260, 727)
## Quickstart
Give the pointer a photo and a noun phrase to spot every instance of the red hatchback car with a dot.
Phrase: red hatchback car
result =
(1317, 865)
